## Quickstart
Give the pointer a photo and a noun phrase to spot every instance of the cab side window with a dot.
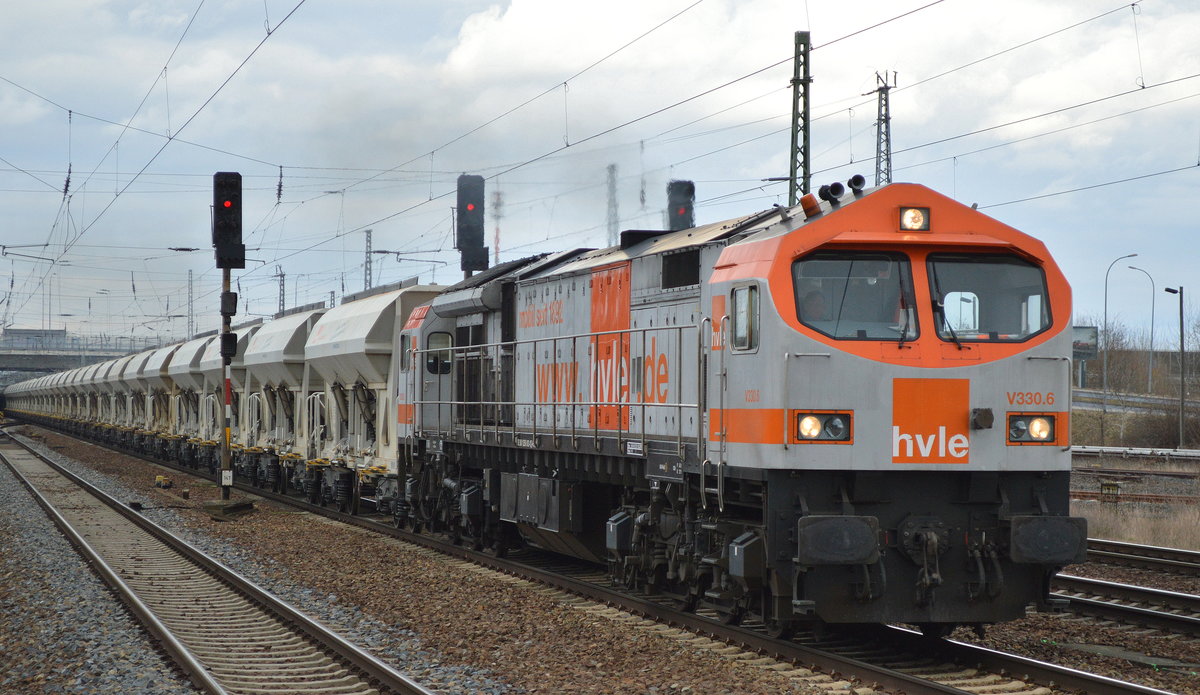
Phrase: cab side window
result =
(438, 353)
(744, 320)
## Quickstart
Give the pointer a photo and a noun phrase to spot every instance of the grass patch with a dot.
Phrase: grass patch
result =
(1163, 525)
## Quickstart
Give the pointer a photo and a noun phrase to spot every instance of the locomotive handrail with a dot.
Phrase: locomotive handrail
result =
(574, 411)
(786, 399)
(704, 345)
(462, 421)
(721, 442)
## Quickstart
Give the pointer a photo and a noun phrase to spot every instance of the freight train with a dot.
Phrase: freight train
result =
(854, 410)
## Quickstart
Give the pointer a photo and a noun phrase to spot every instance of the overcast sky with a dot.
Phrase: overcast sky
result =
(371, 109)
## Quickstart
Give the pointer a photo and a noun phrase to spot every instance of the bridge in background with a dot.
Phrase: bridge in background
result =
(27, 352)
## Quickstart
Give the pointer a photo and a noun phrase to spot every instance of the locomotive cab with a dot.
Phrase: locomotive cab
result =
(920, 466)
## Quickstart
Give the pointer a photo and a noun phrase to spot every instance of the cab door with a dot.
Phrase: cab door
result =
(433, 381)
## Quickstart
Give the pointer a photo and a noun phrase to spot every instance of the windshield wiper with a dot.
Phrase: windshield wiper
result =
(904, 327)
(939, 305)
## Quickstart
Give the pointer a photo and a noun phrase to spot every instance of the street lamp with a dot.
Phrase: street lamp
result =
(1150, 373)
(1104, 399)
(1182, 364)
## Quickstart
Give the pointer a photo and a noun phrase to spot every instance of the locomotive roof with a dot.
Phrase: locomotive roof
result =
(638, 243)
(646, 243)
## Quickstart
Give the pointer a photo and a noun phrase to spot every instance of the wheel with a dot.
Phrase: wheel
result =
(779, 630)
(734, 615)
(495, 546)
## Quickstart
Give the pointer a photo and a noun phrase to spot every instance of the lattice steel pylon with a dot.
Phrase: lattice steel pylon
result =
(367, 264)
(497, 213)
(883, 131)
(191, 316)
(613, 217)
(279, 274)
(800, 171)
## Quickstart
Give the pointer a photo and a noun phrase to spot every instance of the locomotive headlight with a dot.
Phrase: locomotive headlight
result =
(1017, 430)
(1040, 429)
(835, 427)
(1031, 429)
(914, 219)
(823, 427)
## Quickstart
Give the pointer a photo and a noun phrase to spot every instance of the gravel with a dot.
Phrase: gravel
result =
(444, 622)
(453, 628)
(61, 629)
(1148, 657)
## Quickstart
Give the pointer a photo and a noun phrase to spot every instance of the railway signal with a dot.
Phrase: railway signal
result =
(230, 253)
(681, 197)
(227, 220)
(469, 231)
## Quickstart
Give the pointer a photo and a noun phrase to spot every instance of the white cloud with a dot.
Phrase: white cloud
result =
(342, 91)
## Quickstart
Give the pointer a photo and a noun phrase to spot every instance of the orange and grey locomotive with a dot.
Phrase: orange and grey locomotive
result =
(854, 410)
(851, 411)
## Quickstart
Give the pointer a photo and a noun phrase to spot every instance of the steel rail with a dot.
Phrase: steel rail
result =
(1132, 452)
(1136, 497)
(1108, 592)
(1146, 556)
(179, 653)
(1136, 472)
(366, 663)
(908, 640)
(1022, 667)
(789, 651)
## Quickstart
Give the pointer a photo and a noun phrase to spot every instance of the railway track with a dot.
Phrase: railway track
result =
(1153, 608)
(1135, 497)
(1136, 473)
(227, 635)
(1135, 453)
(884, 657)
(1168, 560)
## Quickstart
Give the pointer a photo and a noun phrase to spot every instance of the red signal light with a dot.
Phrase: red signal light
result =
(470, 207)
(228, 203)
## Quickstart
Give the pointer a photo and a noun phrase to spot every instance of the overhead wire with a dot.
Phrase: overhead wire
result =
(191, 118)
(67, 246)
(125, 128)
(576, 143)
(1092, 186)
(548, 90)
(1047, 113)
(1055, 131)
(594, 136)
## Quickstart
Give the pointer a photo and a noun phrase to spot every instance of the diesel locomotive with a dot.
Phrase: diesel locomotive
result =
(854, 410)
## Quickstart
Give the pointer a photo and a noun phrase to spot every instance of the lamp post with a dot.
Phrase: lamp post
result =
(1104, 398)
(1182, 364)
(1150, 372)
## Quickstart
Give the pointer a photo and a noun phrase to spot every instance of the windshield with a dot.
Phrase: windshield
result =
(988, 298)
(856, 295)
